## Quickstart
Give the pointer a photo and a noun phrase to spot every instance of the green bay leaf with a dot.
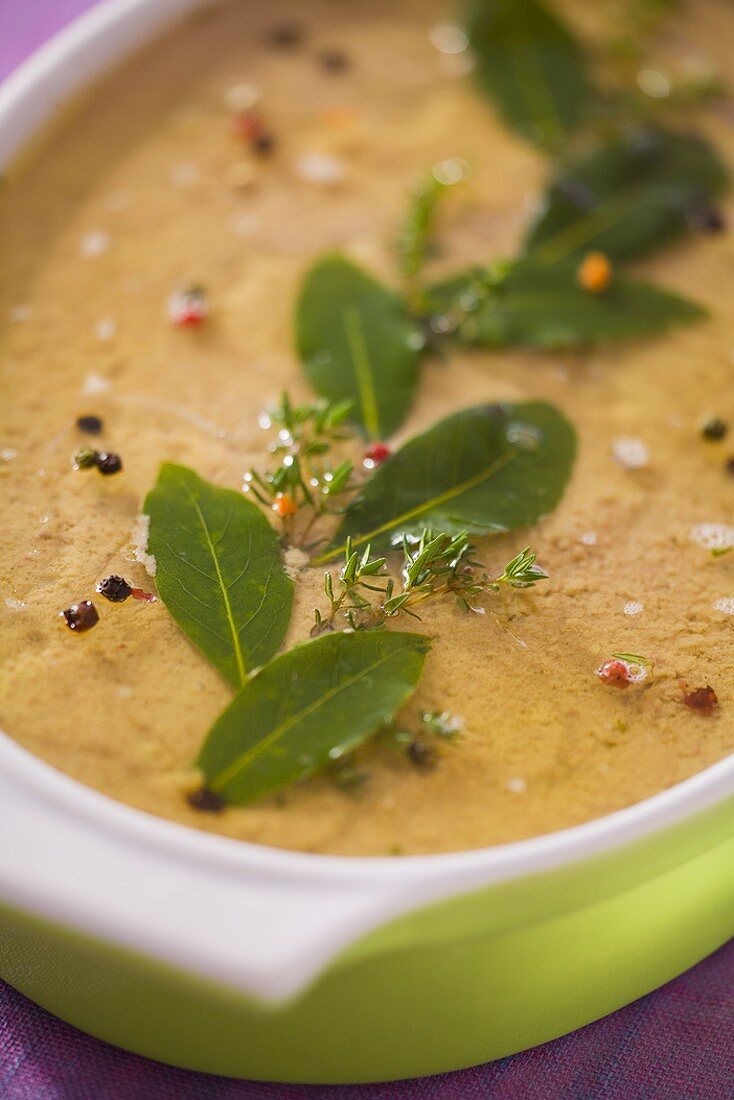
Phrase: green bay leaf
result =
(307, 708)
(357, 343)
(531, 67)
(544, 307)
(483, 470)
(219, 570)
(626, 197)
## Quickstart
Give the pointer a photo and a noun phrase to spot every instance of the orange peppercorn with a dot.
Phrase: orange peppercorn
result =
(284, 505)
(594, 273)
(338, 116)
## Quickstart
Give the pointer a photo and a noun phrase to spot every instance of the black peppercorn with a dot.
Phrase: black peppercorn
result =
(578, 193)
(645, 144)
(108, 462)
(206, 800)
(714, 428)
(706, 219)
(334, 61)
(263, 143)
(421, 753)
(90, 424)
(113, 588)
(285, 36)
(80, 616)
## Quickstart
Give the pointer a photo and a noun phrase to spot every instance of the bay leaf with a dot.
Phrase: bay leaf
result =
(484, 470)
(219, 570)
(307, 708)
(358, 343)
(544, 307)
(531, 67)
(626, 197)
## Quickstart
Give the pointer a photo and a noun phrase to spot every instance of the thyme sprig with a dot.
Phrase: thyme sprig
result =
(459, 299)
(418, 740)
(347, 600)
(308, 481)
(442, 724)
(413, 241)
(522, 571)
(420, 744)
(632, 659)
(435, 565)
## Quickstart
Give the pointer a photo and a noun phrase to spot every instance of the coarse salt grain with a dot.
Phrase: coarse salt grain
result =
(320, 168)
(7, 454)
(457, 64)
(448, 724)
(118, 200)
(517, 785)
(294, 561)
(448, 38)
(630, 453)
(240, 175)
(105, 329)
(653, 83)
(13, 604)
(632, 607)
(95, 383)
(94, 243)
(184, 174)
(139, 540)
(636, 673)
(725, 605)
(242, 97)
(588, 538)
(245, 225)
(713, 536)
(451, 171)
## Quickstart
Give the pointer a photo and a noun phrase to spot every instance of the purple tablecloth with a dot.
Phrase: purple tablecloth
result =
(675, 1044)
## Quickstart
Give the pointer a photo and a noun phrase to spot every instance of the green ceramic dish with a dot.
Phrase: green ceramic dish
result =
(222, 956)
(254, 962)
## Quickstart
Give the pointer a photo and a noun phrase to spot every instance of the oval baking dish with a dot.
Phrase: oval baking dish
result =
(243, 960)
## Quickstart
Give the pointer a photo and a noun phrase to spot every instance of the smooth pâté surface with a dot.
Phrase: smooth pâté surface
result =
(143, 188)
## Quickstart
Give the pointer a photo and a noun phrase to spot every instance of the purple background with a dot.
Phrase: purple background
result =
(676, 1044)
(25, 24)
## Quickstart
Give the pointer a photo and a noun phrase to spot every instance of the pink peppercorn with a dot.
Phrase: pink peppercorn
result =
(375, 455)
